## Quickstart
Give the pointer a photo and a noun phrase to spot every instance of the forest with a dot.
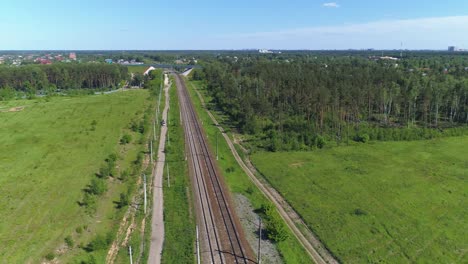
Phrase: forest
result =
(35, 78)
(304, 102)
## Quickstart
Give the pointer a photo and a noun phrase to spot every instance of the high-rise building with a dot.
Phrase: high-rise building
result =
(452, 48)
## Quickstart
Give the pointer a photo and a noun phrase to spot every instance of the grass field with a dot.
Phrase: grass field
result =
(238, 182)
(137, 68)
(49, 152)
(391, 202)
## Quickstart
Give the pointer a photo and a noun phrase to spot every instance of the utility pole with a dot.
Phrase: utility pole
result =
(130, 253)
(151, 148)
(217, 133)
(259, 239)
(168, 177)
(198, 249)
(154, 129)
(168, 139)
(144, 187)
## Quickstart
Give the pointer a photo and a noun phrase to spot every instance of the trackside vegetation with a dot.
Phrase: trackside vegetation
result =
(179, 222)
(385, 202)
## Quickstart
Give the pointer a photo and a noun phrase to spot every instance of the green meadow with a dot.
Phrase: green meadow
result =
(49, 152)
(387, 202)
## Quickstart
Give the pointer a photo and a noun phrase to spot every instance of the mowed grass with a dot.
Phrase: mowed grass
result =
(49, 152)
(392, 202)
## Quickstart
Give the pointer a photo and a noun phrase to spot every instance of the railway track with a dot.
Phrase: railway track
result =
(222, 239)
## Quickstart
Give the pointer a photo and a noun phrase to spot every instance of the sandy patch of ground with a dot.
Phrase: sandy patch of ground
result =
(13, 109)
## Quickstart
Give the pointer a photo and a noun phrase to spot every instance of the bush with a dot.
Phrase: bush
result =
(359, 211)
(134, 126)
(125, 139)
(97, 186)
(50, 256)
(139, 159)
(69, 241)
(104, 171)
(364, 138)
(124, 175)
(124, 200)
(90, 203)
(275, 228)
(320, 142)
(112, 158)
(98, 243)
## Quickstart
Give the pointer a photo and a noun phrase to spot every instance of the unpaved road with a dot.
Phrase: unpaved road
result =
(157, 219)
(309, 241)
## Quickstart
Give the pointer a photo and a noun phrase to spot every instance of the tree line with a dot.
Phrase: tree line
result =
(304, 103)
(33, 78)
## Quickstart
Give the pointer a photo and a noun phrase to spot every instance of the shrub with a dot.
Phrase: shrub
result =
(359, 211)
(139, 159)
(69, 241)
(97, 186)
(104, 171)
(124, 175)
(275, 228)
(98, 243)
(124, 200)
(112, 158)
(89, 202)
(320, 142)
(141, 127)
(134, 126)
(125, 139)
(364, 138)
(50, 256)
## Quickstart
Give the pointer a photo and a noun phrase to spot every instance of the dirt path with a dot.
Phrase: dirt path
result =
(309, 241)
(157, 220)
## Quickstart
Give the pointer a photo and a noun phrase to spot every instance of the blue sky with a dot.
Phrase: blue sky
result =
(210, 24)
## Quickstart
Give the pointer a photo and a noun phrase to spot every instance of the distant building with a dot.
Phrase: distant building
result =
(72, 56)
(265, 51)
(108, 61)
(43, 61)
(388, 58)
(452, 48)
(148, 70)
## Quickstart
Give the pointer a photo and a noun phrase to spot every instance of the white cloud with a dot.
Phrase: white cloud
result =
(331, 4)
(420, 33)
